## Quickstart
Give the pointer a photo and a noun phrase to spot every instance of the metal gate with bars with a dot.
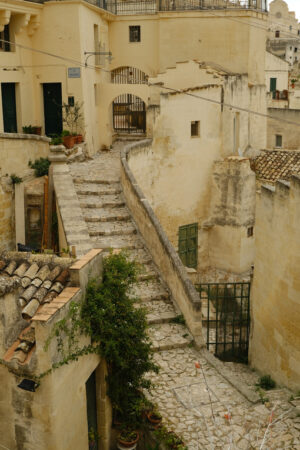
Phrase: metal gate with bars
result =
(129, 114)
(226, 319)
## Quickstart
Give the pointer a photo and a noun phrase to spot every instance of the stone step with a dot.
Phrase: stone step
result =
(159, 311)
(107, 201)
(83, 180)
(98, 189)
(148, 273)
(106, 215)
(131, 241)
(141, 256)
(111, 228)
(168, 336)
(146, 291)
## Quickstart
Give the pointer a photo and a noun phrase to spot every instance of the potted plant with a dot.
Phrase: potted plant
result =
(154, 417)
(37, 130)
(68, 139)
(293, 81)
(93, 439)
(73, 117)
(128, 438)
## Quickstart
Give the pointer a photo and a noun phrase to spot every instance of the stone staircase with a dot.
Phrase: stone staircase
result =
(181, 390)
(110, 225)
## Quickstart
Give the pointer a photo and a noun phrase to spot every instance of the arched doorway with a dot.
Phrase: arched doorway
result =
(129, 114)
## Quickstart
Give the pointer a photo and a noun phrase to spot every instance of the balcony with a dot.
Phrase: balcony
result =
(132, 7)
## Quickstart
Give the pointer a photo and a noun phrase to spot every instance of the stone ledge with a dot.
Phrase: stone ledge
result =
(33, 137)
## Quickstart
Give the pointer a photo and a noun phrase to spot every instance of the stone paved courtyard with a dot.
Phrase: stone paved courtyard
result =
(198, 403)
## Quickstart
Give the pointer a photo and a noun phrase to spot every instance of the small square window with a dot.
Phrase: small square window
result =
(277, 34)
(195, 128)
(135, 33)
(278, 141)
(250, 232)
(71, 101)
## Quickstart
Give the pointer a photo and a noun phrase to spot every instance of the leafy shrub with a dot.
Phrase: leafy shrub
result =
(266, 382)
(15, 179)
(40, 166)
(56, 140)
(28, 130)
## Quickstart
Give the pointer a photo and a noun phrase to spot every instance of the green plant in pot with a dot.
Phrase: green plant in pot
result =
(154, 417)
(128, 438)
(73, 119)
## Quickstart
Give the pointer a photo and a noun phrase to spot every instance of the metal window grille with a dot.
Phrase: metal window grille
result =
(226, 319)
(128, 75)
(135, 33)
(188, 244)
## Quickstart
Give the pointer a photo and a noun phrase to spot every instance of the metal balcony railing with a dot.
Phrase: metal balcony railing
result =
(131, 7)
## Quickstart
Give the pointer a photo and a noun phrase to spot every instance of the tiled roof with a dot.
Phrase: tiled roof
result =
(273, 165)
(38, 282)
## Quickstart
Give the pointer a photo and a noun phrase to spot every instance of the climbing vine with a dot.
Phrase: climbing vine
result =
(118, 333)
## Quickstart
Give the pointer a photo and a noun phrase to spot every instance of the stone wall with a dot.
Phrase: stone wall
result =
(54, 417)
(15, 152)
(162, 252)
(275, 337)
(289, 131)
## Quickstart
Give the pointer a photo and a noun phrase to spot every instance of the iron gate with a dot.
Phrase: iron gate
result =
(129, 114)
(226, 319)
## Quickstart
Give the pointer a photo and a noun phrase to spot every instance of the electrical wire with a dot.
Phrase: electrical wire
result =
(90, 66)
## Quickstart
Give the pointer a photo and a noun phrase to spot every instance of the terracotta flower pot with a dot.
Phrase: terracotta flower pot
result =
(153, 418)
(69, 141)
(37, 130)
(79, 138)
(128, 444)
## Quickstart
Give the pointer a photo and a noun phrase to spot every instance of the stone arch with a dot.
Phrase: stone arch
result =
(128, 75)
(129, 114)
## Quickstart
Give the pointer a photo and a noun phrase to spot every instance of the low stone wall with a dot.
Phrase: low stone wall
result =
(15, 152)
(162, 252)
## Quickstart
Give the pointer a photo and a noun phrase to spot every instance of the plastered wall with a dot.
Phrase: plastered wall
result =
(15, 153)
(275, 337)
(289, 132)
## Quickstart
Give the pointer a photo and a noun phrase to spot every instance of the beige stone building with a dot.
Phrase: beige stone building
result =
(283, 32)
(197, 179)
(274, 346)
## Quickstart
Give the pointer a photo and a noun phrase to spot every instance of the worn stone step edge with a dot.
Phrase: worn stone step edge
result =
(113, 232)
(111, 218)
(99, 193)
(164, 317)
(79, 180)
(170, 346)
(102, 205)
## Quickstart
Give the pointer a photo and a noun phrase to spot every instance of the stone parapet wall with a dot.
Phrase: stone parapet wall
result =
(162, 252)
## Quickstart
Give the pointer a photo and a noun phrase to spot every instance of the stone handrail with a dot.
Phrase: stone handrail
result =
(164, 256)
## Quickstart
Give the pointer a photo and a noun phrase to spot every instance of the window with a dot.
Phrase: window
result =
(291, 27)
(298, 32)
(195, 128)
(277, 33)
(296, 49)
(135, 33)
(278, 141)
(71, 101)
(188, 244)
(250, 232)
(273, 83)
(5, 46)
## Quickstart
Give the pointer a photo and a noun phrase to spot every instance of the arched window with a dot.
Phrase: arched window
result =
(128, 75)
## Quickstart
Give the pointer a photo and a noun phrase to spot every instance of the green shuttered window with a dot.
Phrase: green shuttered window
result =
(188, 244)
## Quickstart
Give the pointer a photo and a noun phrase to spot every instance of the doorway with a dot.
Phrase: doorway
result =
(129, 114)
(91, 405)
(52, 108)
(8, 91)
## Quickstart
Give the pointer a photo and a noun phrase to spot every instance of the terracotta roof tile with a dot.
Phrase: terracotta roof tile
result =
(273, 165)
(38, 283)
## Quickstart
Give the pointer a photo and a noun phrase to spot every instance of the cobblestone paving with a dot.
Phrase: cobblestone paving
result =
(197, 403)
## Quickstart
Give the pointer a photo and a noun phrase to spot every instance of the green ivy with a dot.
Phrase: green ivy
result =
(118, 333)
(40, 166)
